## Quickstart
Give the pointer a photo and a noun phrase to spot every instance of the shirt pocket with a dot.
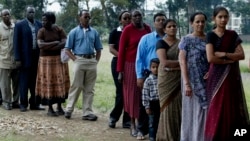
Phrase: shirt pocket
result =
(4, 44)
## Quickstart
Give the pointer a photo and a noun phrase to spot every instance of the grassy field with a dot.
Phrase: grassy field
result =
(105, 90)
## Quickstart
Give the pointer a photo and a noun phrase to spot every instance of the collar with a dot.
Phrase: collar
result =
(80, 26)
(8, 27)
(153, 76)
(119, 28)
(157, 35)
(30, 22)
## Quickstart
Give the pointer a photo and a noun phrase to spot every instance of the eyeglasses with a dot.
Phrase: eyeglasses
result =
(126, 18)
(137, 15)
(87, 17)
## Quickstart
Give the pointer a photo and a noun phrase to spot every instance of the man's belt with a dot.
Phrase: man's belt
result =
(87, 56)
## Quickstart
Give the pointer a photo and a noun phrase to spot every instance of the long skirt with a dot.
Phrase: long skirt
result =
(131, 93)
(52, 79)
(169, 89)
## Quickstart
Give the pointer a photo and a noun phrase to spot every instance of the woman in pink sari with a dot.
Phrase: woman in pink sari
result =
(227, 110)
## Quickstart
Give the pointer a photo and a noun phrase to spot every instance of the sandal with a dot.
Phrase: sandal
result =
(140, 136)
(133, 132)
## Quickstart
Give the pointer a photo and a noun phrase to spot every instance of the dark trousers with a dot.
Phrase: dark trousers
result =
(143, 120)
(118, 107)
(154, 118)
(27, 81)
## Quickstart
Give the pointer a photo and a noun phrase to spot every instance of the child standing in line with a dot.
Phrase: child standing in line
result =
(150, 99)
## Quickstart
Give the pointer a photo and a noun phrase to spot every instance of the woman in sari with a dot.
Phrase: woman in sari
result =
(227, 110)
(194, 66)
(52, 83)
(169, 84)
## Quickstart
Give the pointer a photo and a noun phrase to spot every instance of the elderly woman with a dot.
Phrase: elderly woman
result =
(52, 83)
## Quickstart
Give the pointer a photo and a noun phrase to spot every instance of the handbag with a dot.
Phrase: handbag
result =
(64, 56)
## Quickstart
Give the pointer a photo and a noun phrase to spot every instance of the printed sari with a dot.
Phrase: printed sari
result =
(227, 110)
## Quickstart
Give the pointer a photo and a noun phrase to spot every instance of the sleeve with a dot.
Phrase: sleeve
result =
(183, 44)
(98, 43)
(17, 42)
(122, 49)
(70, 40)
(111, 37)
(209, 38)
(40, 34)
(145, 94)
(62, 34)
(160, 44)
(238, 39)
(140, 58)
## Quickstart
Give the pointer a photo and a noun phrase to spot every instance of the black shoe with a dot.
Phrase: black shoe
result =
(36, 108)
(67, 115)
(15, 105)
(111, 124)
(126, 125)
(90, 117)
(23, 109)
(52, 113)
(60, 112)
(1, 101)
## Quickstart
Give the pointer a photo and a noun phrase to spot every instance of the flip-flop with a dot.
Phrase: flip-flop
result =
(140, 136)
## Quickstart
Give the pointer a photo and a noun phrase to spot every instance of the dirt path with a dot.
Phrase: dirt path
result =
(37, 126)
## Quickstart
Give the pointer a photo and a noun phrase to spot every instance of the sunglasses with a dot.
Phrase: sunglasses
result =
(126, 18)
(87, 17)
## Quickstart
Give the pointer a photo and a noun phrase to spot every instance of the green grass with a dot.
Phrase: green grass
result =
(105, 89)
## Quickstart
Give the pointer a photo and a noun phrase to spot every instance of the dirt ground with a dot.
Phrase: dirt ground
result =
(37, 126)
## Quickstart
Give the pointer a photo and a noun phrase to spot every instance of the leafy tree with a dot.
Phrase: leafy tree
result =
(17, 7)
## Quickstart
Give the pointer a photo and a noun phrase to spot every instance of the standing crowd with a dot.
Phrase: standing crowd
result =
(187, 89)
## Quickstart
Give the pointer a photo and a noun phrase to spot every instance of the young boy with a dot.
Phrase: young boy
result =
(150, 99)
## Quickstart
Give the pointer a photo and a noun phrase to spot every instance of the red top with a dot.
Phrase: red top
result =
(128, 44)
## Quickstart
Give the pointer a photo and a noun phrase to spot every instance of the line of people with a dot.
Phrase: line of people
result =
(187, 89)
(194, 98)
(30, 60)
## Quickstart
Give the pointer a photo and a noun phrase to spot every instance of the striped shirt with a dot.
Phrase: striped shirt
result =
(150, 91)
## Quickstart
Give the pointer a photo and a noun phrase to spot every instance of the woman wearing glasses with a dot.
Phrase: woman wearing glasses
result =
(114, 38)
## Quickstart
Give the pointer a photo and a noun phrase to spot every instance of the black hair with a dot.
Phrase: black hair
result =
(50, 16)
(83, 10)
(167, 21)
(159, 14)
(154, 60)
(120, 15)
(195, 14)
(219, 9)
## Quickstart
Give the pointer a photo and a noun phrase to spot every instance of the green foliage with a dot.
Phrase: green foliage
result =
(68, 19)
(17, 7)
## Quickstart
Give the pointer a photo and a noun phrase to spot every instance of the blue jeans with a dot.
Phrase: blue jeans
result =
(153, 119)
